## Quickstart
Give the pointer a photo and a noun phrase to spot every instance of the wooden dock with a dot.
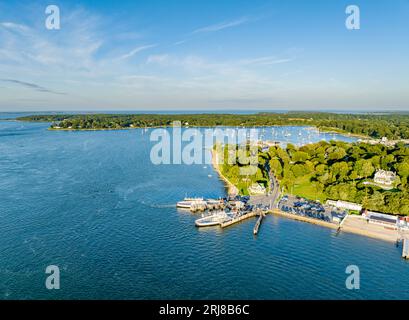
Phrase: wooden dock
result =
(239, 219)
(405, 249)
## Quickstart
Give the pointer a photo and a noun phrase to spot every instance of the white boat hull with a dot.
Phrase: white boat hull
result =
(212, 221)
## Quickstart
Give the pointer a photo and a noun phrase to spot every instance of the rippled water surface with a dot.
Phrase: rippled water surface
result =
(93, 204)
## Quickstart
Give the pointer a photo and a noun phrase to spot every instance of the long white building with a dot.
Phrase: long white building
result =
(345, 205)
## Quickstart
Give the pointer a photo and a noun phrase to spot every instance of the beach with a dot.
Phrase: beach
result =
(231, 188)
(359, 225)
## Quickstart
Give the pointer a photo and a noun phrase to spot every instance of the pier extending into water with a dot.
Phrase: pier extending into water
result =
(258, 223)
(405, 249)
(239, 219)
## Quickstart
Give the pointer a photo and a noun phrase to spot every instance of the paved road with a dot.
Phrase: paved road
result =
(275, 193)
(270, 199)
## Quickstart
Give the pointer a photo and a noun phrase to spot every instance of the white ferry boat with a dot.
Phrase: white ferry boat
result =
(187, 203)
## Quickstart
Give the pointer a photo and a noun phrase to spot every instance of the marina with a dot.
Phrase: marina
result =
(230, 211)
(222, 212)
(233, 210)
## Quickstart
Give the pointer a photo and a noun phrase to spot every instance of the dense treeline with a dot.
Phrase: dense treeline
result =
(338, 170)
(244, 166)
(392, 125)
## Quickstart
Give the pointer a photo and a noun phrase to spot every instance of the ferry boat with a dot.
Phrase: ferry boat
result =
(187, 203)
(213, 220)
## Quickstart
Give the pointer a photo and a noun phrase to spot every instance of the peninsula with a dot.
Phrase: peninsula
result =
(319, 181)
(333, 170)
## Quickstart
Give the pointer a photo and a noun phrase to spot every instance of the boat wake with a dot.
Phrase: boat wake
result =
(157, 206)
(162, 205)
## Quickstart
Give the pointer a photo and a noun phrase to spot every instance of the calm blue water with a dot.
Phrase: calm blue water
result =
(93, 204)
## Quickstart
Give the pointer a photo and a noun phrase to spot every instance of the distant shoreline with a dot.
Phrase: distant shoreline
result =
(365, 125)
(344, 133)
(321, 130)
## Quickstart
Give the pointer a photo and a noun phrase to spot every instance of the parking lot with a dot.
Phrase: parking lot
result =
(311, 209)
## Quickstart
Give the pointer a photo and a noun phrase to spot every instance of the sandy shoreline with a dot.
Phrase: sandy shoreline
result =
(359, 225)
(352, 224)
(305, 219)
(343, 133)
(231, 188)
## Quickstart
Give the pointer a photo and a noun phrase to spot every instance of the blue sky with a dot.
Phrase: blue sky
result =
(225, 54)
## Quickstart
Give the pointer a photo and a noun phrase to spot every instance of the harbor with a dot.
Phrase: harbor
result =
(234, 209)
(224, 212)
(175, 248)
(227, 212)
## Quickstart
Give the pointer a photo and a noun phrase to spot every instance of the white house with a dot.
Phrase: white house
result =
(385, 177)
(257, 188)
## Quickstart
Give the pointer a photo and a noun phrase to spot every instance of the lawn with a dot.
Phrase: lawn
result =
(303, 187)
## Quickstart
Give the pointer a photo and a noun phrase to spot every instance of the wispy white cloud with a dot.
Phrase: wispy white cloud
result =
(178, 43)
(221, 26)
(14, 26)
(186, 62)
(266, 61)
(197, 63)
(216, 27)
(83, 57)
(162, 59)
(33, 48)
(136, 50)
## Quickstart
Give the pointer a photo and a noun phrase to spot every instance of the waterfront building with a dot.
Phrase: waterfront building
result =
(345, 205)
(403, 223)
(381, 218)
